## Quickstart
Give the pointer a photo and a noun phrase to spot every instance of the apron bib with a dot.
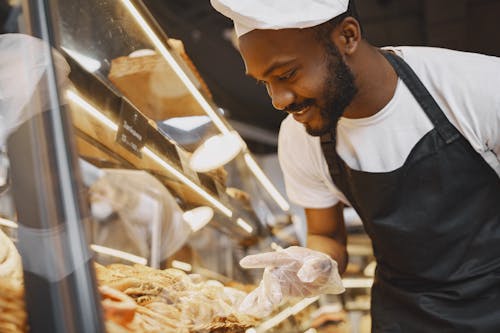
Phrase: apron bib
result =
(435, 228)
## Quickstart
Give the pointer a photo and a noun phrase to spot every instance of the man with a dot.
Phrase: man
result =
(408, 136)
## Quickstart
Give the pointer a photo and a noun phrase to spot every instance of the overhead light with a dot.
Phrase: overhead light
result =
(8, 223)
(187, 123)
(243, 224)
(199, 217)
(350, 283)
(283, 315)
(198, 96)
(311, 330)
(77, 99)
(276, 247)
(175, 66)
(142, 53)
(119, 254)
(184, 266)
(266, 183)
(179, 175)
(216, 152)
(370, 269)
(91, 65)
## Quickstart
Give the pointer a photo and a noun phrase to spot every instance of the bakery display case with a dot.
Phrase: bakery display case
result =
(124, 158)
(130, 180)
(138, 102)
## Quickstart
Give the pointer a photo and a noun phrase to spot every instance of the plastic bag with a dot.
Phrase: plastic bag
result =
(292, 272)
(133, 208)
(23, 65)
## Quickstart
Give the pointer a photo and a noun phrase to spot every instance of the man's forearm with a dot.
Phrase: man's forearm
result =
(335, 249)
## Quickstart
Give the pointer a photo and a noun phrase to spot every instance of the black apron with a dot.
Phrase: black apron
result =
(435, 228)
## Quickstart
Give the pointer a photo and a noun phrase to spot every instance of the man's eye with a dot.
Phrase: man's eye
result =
(288, 75)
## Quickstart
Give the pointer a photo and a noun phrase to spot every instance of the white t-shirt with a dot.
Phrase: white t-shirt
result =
(465, 85)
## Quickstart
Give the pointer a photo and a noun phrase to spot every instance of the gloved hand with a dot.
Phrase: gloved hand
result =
(292, 272)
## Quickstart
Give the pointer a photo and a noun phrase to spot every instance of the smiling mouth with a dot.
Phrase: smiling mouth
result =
(301, 112)
(302, 116)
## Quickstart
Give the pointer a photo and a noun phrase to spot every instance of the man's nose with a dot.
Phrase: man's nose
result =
(281, 96)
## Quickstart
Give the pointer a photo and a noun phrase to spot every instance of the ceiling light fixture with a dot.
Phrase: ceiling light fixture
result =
(270, 188)
(119, 254)
(77, 99)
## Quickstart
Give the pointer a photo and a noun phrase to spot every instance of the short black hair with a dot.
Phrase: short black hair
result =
(323, 30)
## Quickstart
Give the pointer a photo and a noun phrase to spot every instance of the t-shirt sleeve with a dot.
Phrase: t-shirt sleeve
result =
(481, 118)
(492, 132)
(467, 84)
(305, 184)
(487, 113)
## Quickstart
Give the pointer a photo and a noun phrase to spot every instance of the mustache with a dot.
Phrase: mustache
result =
(299, 106)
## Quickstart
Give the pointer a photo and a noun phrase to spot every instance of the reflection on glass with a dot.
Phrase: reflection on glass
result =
(198, 217)
(88, 63)
(216, 152)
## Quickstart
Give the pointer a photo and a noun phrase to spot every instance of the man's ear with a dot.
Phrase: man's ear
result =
(347, 36)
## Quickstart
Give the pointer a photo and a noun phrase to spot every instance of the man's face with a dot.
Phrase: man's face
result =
(302, 75)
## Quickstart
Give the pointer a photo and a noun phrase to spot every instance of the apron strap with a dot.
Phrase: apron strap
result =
(447, 131)
(339, 171)
(328, 146)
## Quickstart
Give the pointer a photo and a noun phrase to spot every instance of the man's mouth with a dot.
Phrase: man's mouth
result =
(304, 110)
(302, 115)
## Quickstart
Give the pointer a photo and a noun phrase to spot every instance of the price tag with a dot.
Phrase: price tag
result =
(132, 130)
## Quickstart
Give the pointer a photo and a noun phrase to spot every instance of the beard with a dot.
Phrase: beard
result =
(340, 80)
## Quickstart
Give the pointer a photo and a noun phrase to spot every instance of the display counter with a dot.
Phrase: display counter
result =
(134, 190)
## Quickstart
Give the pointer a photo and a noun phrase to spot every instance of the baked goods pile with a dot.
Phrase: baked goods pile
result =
(135, 299)
(12, 313)
(168, 301)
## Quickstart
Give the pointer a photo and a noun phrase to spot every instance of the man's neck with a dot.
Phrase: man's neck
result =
(376, 81)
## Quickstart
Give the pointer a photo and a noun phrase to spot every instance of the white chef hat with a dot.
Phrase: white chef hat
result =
(248, 15)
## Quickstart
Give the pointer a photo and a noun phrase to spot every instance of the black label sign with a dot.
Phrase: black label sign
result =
(132, 130)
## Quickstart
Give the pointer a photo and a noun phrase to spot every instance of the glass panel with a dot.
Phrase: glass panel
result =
(116, 49)
(57, 276)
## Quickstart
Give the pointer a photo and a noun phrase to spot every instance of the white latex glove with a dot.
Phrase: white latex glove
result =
(292, 272)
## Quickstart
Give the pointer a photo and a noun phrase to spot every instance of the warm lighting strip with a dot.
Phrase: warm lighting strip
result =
(119, 254)
(242, 223)
(183, 266)
(350, 283)
(108, 122)
(226, 211)
(88, 63)
(201, 100)
(175, 66)
(311, 330)
(8, 223)
(276, 247)
(283, 315)
(77, 99)
(266, 182)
